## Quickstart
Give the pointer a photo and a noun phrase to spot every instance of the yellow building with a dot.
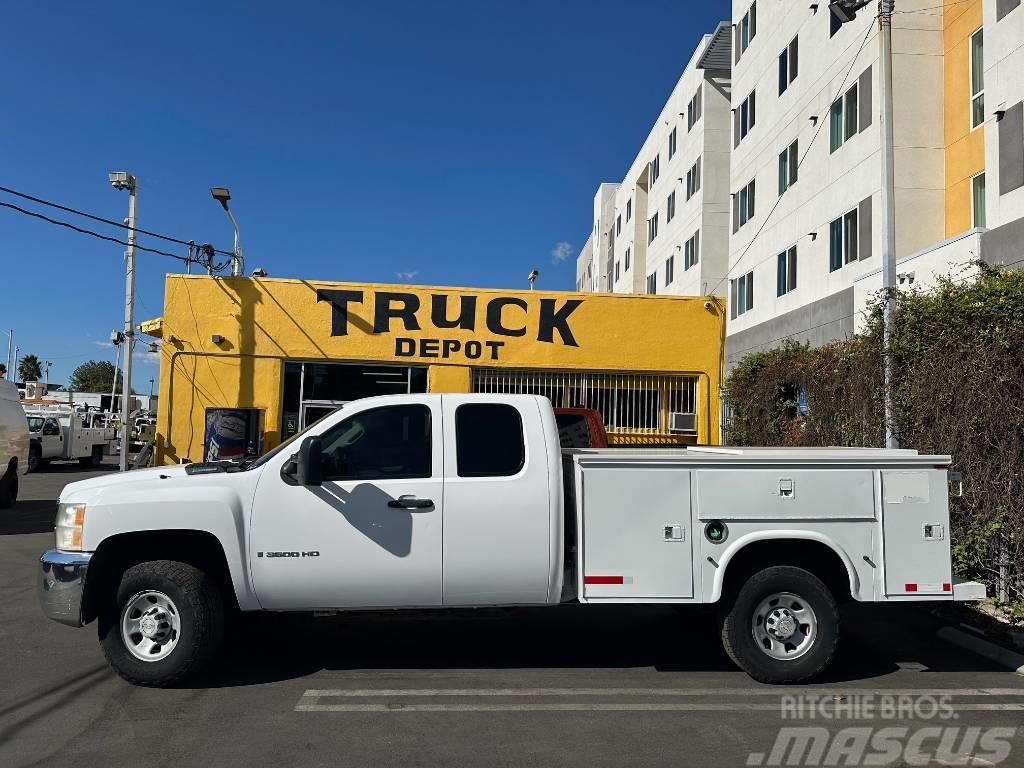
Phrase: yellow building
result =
(277, 354)
(964, 115)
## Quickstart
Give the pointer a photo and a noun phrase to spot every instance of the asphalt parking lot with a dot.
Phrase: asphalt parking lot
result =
(594, 686)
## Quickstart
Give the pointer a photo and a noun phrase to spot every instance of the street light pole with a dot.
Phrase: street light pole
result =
(888, 198)
(121, 181)
(222, 195)
(10, 345)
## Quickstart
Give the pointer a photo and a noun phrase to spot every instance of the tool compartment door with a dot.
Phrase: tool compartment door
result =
(915, 532)
(637, 536)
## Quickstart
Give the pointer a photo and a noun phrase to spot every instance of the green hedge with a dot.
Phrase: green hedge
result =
(958, 388)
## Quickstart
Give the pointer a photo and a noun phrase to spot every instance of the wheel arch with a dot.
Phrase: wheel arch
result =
(810, 550)
(117, 553)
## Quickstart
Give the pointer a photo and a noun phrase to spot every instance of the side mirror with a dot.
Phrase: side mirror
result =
(309, 465)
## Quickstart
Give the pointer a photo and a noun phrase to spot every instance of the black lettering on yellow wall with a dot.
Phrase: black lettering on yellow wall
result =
(439, 312)
(383, 311)
(552, 320)
(339, 307)
(494, 316)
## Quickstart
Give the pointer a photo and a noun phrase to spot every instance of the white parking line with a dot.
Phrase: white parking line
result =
(341, 700)
(428, 692)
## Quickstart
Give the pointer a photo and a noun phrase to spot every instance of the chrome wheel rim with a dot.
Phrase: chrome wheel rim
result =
(150, 626)
(784, 626)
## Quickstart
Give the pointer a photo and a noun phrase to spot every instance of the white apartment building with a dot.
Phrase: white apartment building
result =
(806, 174)
(805, 252)
(665, 228)
(1003, 90)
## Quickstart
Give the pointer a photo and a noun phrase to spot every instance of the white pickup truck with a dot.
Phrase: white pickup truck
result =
(60, 433)
(467, 500)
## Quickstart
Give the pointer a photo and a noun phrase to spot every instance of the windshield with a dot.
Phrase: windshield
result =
(35, 423)
(273, 452)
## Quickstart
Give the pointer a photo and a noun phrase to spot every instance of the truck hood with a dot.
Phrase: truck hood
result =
(77, 492)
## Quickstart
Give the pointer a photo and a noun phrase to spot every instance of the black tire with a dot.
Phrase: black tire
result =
(34, 458)
(9, 489)
(200, 611)
(739, 623)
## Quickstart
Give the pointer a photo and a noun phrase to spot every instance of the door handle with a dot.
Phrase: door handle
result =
(410, 502)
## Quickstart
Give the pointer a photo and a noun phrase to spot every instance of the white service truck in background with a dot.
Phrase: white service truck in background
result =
(61, 433)
(451, 500)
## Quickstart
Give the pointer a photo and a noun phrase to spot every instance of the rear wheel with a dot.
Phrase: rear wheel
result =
(9, 489)
(34, 458)
(782, 626)
(164, 624)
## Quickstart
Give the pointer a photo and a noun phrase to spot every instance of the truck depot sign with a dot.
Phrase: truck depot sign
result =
(292, 350)
(503, 316)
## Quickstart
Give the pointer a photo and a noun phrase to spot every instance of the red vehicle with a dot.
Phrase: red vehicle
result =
(580, 428)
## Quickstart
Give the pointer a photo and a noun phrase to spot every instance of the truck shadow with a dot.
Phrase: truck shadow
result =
(31, 516)
(567, 637)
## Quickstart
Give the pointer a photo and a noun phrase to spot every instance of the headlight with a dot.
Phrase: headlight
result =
(70, 522)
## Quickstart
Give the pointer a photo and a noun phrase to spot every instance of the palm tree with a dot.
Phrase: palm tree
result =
(29, 368)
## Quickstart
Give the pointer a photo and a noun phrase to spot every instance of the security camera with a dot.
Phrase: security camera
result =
(121, 180)
(533, 275)
(259, 272)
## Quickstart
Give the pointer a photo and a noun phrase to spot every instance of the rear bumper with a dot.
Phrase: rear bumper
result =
(61, 585)
(964, 591)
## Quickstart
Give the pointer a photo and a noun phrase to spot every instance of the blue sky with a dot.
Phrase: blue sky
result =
(436, 142)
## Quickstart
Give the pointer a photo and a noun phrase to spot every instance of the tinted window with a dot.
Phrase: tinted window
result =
(381, 443)
(489, 440)
(573, 430)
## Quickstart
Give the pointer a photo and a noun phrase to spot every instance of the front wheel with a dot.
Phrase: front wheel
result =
(164, 625)
(782, 626)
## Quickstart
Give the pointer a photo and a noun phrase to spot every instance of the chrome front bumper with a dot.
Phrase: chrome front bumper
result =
(61, 584)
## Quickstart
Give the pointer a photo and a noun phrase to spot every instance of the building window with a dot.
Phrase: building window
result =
(834, 25)
(745, 117)
(627, 259)
(694, 109)
(743, 206)
(1003, 7)
(617, 273)
(742, 294)
(788, 65)
(629, 209)
(672, 144)
(652, 228)
(691, 251)
(670, 270)
(655, 169)
(786, 272)
(693, 180)
(670, 207)
(977, 78)
(978, 200)
(652, 284)
(849, 236)
(748, 27)
(618, 225)
(789, 162)
(848, 116)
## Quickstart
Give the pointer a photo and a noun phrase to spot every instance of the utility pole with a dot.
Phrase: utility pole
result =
(121, 181)
(14, 371)
(46, 377)
(116, 338)
(885, 9)
(10, 343)
(845, 11)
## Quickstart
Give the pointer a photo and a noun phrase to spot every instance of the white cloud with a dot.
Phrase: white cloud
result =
(406, 275)
(562, 251)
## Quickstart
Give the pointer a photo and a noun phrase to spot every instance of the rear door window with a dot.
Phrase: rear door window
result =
(573, 430)
(489, 440)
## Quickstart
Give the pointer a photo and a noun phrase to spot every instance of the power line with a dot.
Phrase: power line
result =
(102, 220)
(91, 233)
(800, 162)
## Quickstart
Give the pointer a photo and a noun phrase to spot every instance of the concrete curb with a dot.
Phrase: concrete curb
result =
(1004, 657)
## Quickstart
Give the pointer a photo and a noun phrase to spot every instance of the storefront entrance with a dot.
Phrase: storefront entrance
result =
(314, 390)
